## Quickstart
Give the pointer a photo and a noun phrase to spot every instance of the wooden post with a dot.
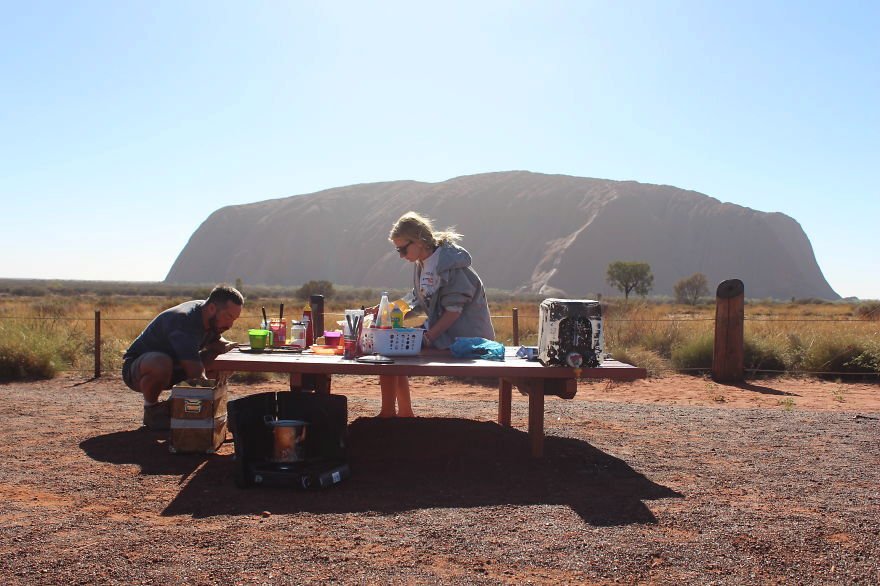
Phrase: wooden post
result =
(516, 326)
(97, 343)
(728, 355)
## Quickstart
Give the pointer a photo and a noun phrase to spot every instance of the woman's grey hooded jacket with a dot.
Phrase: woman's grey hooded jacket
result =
(458, 285)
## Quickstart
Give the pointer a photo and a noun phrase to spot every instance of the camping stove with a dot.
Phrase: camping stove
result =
(570, 333)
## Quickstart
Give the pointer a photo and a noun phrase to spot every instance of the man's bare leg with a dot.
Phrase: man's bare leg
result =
(155, 376)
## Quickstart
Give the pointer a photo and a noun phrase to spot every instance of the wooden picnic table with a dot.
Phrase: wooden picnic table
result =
(314, 372)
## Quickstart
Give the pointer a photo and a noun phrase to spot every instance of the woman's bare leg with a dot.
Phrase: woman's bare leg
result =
(404, 404)
(388, 384)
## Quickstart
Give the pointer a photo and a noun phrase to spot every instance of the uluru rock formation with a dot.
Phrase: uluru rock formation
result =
(530, 232)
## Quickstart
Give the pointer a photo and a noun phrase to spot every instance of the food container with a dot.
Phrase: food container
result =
(326, 350)
(198, 417)
(332, 338)
(297, 334)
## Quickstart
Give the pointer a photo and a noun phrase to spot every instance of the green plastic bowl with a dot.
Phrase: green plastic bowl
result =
(259, 339)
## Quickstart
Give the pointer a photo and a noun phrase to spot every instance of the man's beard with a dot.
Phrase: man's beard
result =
(212, 325)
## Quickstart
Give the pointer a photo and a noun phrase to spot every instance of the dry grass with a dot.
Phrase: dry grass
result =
(793, 337)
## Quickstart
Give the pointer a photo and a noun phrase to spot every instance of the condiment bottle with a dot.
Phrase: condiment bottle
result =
(383, 316)
(396, 317)
(307, 322)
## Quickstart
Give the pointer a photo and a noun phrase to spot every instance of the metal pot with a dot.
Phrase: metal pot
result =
(288, 437)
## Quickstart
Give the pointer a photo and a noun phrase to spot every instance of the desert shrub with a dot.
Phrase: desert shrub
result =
(662, 341)
(53, 307)
(650, 360)
(841, 354)
(690, 289)
(24, 355)
(694, 354)
(868, 358)
(795, 352)
(763, 354)
(811, 301)
(324, 288)
(868, 310)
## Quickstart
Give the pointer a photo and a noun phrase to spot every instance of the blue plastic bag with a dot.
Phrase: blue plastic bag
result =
(477, 348)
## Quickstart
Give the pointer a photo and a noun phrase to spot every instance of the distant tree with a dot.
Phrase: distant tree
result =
(630, 277)
(324, 288)
(690, 289)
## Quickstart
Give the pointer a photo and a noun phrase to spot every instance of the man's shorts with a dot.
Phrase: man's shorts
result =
(131, 372)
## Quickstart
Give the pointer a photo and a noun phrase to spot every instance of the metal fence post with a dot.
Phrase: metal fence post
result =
(97, 343)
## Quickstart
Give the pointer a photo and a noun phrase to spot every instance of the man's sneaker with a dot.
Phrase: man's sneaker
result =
(158, 417)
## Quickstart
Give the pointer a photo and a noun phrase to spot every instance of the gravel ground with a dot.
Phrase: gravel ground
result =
(633, 489)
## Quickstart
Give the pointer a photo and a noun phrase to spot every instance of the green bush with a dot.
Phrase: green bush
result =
(763, 354)
(650, 360)
(851, 356)
(694, 354)
(39, 349)
(661, 342)
(26, 357)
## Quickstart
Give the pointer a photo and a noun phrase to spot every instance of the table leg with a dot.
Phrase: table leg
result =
(504, 398)
(536, 420)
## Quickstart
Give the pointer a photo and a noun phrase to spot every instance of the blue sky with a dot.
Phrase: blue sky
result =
(124, 124)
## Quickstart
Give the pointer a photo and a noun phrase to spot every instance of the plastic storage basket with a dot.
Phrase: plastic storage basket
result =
(392, 342)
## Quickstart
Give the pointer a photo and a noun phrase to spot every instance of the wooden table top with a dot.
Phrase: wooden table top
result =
(428, 363)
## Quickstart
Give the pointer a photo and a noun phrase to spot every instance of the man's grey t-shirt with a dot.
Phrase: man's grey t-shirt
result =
(177, 332)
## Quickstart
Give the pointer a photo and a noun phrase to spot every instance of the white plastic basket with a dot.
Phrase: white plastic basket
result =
(392, 342)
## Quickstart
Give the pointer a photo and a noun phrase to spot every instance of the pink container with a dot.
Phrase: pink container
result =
(333, 338)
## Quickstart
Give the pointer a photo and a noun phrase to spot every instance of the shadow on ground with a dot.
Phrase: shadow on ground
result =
(763, 390)
(148, 449)
(405, 464)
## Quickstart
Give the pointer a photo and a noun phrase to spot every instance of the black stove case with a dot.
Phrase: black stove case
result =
(324, 449)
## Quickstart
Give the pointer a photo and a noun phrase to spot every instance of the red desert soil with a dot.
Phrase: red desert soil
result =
(676, 480)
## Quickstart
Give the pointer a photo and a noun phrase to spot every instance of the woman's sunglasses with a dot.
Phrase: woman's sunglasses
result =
(402, 249)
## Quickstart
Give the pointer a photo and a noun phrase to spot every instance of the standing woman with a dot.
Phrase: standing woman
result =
(445, 288)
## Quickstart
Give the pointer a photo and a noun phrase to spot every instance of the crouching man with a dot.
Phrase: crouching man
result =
(176, 346)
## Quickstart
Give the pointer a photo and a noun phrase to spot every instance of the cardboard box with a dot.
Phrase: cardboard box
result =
(198, 417)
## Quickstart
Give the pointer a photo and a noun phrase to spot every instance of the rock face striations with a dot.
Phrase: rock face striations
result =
(546, 234)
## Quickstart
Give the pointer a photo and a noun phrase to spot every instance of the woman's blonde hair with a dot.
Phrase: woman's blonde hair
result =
(419, 228)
